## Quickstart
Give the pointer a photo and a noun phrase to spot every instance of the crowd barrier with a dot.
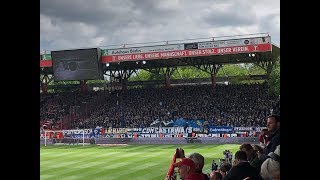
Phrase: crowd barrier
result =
(171, 140)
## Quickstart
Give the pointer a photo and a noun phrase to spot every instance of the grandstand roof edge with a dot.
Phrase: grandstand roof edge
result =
(181, 41)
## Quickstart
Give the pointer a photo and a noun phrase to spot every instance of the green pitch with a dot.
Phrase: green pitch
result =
(145, 162)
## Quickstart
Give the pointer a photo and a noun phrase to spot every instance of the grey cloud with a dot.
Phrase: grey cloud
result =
(80, 23)
(271, 24)
(236, 14)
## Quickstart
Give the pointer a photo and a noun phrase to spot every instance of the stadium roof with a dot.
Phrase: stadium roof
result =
(201, 60)
(112, 57)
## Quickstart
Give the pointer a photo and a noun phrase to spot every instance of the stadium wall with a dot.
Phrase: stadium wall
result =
(169, 140)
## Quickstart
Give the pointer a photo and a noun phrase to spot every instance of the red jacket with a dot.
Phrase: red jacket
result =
(194, 176)
(263, 139)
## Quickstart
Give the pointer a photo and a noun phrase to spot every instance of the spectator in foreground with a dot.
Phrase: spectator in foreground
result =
(252, 156)
(263, 137)
(225, 168)
(187, 170)
(214, 166)
(270, 168)
(273, 124)
(198, 159)
(242, 169)
(259, 150)
(215, 175)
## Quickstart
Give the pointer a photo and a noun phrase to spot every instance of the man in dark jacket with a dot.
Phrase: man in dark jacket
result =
(252, 156)
(242, 169)
(273, 125)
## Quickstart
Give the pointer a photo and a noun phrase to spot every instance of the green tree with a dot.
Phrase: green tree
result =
(274, 79)
(142, 75)
(189, 72)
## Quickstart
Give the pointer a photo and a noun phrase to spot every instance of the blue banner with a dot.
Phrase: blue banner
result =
(95, 132)
(188, 123)
(220, 129)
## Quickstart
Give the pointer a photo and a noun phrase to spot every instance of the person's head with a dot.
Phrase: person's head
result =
(257, 148)
(225, 168)
(222, 161)
(273, 122)
(247, 148)
(264, 131)
(270, 168)
(186, 166)
(240, 156)
(215, 175)
(198, 160)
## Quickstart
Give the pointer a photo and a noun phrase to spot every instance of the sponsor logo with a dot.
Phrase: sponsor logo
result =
(104, 52)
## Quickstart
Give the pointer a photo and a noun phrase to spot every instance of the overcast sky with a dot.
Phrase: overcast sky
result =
(72, 24)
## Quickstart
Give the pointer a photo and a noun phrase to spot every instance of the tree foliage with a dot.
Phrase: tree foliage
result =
(193, 72)
(189, 72)
(274, 80)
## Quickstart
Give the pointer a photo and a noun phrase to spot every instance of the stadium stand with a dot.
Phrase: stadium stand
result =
(228, 105)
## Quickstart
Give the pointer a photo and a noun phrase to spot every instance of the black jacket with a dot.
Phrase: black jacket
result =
(274, 142)
(255, 162)
(241, 171)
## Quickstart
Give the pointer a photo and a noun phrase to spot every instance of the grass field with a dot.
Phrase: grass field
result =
(145, 162)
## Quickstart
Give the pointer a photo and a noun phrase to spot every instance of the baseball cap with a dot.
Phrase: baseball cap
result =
(185, 162)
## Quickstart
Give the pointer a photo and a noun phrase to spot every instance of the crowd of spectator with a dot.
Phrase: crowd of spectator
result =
(231, 105)
(249, 163)
(58, 107)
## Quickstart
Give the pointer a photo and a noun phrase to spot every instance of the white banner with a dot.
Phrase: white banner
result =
(77, 131)
(148, 49)
(243, 128)
(115, 130)
(234, 42)
(258, 129)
